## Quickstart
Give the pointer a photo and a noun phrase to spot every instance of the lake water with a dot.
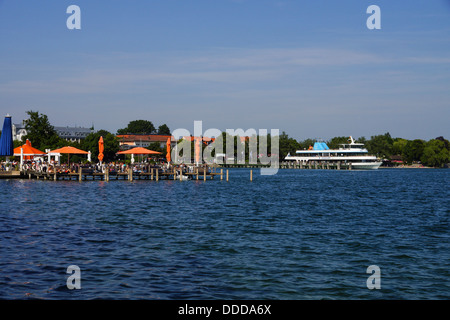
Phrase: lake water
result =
(300, 234)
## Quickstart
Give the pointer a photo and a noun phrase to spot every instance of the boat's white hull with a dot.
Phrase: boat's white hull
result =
(365, 165)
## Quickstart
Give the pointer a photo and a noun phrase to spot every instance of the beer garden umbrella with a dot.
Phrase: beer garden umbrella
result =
(26, 152)
(69, 150)
(6, 140)
(138, 150)
(101, 148)
(168, 150)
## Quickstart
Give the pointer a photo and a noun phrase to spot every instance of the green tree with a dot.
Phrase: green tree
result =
(413, 150)
(110, 143)
(398, 147)
(362, 140)
(287, 145)
(305, 144)
(336, 141)
(380, 145)
(40, 132)
(156, 146)
(435, 153)
(138, 127)
(164, 129)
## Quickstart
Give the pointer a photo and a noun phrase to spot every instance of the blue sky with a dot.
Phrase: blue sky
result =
(310, 68)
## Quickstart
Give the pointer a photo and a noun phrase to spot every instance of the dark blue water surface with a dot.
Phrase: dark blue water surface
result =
(300, 234)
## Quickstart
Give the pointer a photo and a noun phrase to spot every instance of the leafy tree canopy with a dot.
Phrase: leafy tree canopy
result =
(40, 132)
(380, 145)
(138, 127)
(435, 153)
(164, 129)
(336, 141)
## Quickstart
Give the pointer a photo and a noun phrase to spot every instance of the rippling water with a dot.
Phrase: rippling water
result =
(301, 234)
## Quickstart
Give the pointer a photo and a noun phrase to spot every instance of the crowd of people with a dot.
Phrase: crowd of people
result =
(42, 166)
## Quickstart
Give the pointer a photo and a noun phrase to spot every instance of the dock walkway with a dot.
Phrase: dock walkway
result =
(130, 175)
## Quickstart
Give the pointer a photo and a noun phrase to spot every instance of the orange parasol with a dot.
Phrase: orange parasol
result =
(101, 148)
(69, 150)
(28, 150)
(139, 150)
(168, 150)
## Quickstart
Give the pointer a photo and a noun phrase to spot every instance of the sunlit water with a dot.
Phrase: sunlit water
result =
(300, 234)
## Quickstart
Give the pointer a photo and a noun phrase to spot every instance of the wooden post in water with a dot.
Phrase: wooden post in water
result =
(349, 166)
(204, 173)
(251, 175)
(107, 174)
(157, 174)
(339, 165)
(130, 174)
(196, 169)
(151, 174)
(174, 173)
(221, 174)
(227, 175)
(80, 171)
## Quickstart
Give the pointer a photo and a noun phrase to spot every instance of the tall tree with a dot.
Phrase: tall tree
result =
(164, 129)
(287, 145)
(435, 153)
(138, 127)
(305, 144)
(398, 147)
(40, 132)
(336, 141)
(380, 145)
(413, 150)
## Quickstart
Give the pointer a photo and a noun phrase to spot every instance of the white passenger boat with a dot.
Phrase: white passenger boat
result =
(349, 153)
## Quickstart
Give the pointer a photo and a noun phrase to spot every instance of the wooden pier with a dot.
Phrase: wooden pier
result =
(155, 174)
(324, 165)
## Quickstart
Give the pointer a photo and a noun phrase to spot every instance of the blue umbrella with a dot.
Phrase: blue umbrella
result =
(6, 140)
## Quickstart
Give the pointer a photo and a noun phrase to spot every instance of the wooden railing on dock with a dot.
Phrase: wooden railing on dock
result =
(157, 173)
(130, 175)
(296, 165)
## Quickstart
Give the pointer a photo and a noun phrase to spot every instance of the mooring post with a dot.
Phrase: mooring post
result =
(157, 174)
(130, 174)
(251, 175)
(221, 174)
(227, 175)
(204, 173)
(80, 171)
